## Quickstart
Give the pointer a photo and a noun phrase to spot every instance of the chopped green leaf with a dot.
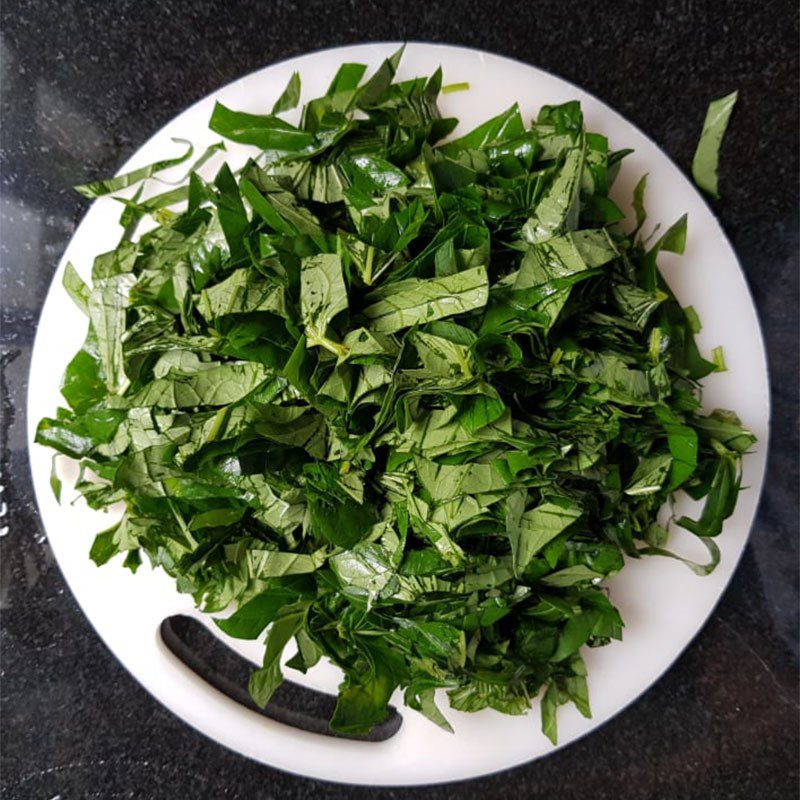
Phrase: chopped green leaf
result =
(120, 182)
(290, 96)
(407, 403)
(706, 158)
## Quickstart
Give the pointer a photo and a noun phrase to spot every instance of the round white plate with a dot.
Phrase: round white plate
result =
(663, 603)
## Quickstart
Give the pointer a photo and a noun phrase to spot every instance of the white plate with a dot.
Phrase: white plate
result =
(663, 604)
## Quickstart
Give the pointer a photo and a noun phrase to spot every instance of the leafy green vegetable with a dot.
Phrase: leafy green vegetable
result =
(638, 204)
(537, 527)
(107, 306)
(76, 289)
(116, 184)
(268, 132)
(404, 402)
(264, 681)
(290, 96)
(322, 296)
(411, 302)
(706, 157)
(253, 617)
(55, 481)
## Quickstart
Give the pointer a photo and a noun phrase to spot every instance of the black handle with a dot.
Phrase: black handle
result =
(307, 709)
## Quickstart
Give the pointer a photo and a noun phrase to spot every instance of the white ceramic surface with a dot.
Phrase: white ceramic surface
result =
(663, 603)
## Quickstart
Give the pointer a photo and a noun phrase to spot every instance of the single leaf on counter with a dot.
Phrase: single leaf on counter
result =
(706, 158)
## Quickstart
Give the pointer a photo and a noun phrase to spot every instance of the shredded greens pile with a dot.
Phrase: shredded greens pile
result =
(406, 403)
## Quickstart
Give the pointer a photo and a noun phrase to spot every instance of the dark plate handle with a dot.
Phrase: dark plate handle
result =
(307, 709)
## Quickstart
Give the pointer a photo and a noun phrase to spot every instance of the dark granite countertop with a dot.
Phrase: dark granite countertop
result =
(85, 83)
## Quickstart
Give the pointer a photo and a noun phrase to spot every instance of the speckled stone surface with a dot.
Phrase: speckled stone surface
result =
(85, 83)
